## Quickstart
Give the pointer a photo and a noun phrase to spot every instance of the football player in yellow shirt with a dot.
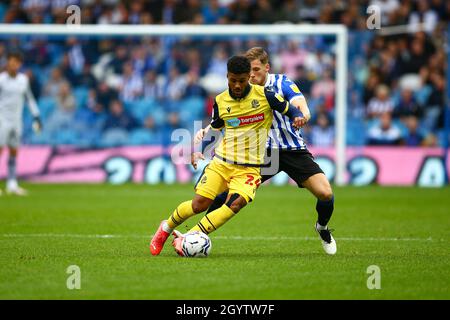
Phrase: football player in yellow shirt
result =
(245, 111)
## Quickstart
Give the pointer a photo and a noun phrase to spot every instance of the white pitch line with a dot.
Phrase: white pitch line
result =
(245, 238)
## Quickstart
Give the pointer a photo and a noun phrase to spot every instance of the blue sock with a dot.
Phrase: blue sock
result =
(324, 211)
(12, 168)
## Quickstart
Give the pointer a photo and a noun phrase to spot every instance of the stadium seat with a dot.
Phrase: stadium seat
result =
(192, 109)
(81, 95)
(46, 107)
(141, 109)
(65, 137)
(114, 138)
(141, 137)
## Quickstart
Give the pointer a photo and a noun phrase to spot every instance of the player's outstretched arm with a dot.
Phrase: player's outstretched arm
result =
(295, 97)
(32, 105)
(200, 134)
(300, 103)
(278, 103)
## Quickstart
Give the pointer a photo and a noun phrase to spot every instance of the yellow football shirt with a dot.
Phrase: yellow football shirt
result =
(247, 122)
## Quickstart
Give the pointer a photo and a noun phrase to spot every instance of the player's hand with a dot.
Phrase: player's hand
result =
(298, 122)
(200, 134)
(37, 124)
(195, 157)
(303, 121)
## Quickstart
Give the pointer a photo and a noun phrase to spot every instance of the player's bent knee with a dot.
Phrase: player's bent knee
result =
(200, 204)
(325, 194)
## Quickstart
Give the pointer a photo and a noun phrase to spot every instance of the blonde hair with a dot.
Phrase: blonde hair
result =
(257, 53)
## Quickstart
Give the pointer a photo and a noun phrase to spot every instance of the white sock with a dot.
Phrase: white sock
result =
(320, 227)
(166, 227)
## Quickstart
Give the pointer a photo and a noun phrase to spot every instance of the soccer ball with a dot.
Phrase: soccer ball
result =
(196, 244)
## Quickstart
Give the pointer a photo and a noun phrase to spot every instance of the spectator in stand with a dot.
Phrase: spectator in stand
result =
(86, 79)
(105, 95)
(324, 88)
(131, 84)
(118, 118)
(291, 58)
(119, 59)
(434, 112)
(240, 12)
(65, 99)
(413, 138)
(153, 88)
(423, 14)
(302, 80)
(67, 71)
(176, 85)
(381, 103)
(288, 12)
(218, 62)
(309, 10)
(54, 84)
(322, 133)
(136, 11)
(262, 12)
(193, 89)
(214, 13)
(407, 106)
(385, 132)
(373, 81)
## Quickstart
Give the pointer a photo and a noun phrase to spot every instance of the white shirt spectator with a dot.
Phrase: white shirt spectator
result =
(131, 88)
(390, 135)
(377, 106)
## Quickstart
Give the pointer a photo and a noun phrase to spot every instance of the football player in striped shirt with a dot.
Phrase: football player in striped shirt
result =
(294, 157)
(14, 88)
(245, 112)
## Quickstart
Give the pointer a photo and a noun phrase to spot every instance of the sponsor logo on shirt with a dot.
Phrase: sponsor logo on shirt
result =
(245, 120)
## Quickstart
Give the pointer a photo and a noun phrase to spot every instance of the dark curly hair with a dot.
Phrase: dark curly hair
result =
(238, 65)
(15, 54)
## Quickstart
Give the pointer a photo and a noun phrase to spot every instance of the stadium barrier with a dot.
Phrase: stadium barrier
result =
(153, 164)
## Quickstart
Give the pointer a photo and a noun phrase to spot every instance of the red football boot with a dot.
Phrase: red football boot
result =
(158, 240)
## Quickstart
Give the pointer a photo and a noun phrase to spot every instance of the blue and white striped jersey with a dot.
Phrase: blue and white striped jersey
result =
(282, 135)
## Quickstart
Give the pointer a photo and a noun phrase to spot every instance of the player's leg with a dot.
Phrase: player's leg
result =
(210, 184)
(242, 190)
(270, 172)
(319, 186)
(12, 186)
(302, 168)
(217, 218)
(218, 202)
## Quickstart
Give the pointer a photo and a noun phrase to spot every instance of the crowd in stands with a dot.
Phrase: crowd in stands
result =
(104, 91)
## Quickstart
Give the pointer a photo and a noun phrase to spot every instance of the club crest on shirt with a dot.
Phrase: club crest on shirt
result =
(228, 109)
(255, 103)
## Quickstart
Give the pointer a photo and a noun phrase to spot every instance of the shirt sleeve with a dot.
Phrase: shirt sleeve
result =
(278, 103)
(290, 89)
(216, 122)
(32, 105)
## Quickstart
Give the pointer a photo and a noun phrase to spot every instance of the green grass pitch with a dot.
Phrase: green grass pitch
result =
(268, 251)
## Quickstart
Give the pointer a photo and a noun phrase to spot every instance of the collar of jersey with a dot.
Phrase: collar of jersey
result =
(246, 92)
